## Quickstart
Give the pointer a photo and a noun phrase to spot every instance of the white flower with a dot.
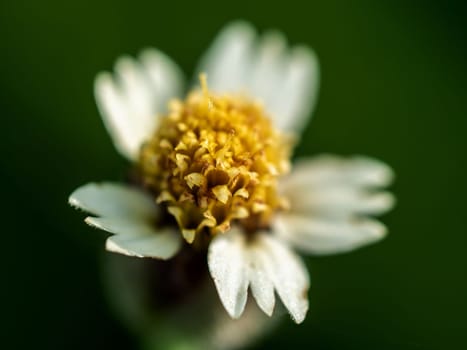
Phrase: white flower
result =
(329, 199)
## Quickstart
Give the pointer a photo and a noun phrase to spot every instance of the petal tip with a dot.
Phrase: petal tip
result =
(304, 53)
(111, 246)
(298, 315)
(239, 26)
(91, 222)
(380, 234)
(299, 319)
(389, 201)
(377, 172)
(76, 198)
(72, 201)
(268, 310)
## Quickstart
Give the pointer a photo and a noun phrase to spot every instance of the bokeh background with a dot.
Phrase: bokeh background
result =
(394, 86)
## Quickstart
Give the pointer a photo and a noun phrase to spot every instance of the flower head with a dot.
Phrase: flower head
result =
(214, 170)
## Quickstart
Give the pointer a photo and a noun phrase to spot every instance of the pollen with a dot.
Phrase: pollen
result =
(215, 161)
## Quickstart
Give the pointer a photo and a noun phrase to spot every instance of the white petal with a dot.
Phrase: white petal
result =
(134, 86)
(226, 261)
(333, 187)
(130, 214)
(261, 284)
(316, 236)
(162, 245)
(289, 275)
(330, 170)
(166, 77)
(297, 91)
(125, 226)
(114, 200)
(286, 82)
(130, 101)
(269, 64)
(227, 62)
(339, 201)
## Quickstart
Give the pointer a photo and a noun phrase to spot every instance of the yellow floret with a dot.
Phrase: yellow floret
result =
(216, 159)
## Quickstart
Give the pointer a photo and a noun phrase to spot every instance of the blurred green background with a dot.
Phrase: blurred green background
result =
(394, 86)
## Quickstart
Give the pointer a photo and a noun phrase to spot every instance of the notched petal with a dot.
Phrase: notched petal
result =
(226, 261)
(287, 273)
(131, 99)
(320, 237)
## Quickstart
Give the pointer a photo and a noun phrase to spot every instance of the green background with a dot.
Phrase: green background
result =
(393, 87)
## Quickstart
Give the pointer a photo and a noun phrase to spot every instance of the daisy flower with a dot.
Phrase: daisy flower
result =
(213, 169)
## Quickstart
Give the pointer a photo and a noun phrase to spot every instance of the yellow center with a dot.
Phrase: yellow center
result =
(215, 160)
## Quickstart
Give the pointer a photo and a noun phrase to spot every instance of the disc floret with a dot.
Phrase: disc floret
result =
(215, 160)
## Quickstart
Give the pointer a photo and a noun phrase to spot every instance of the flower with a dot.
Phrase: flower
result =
(214, 171)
